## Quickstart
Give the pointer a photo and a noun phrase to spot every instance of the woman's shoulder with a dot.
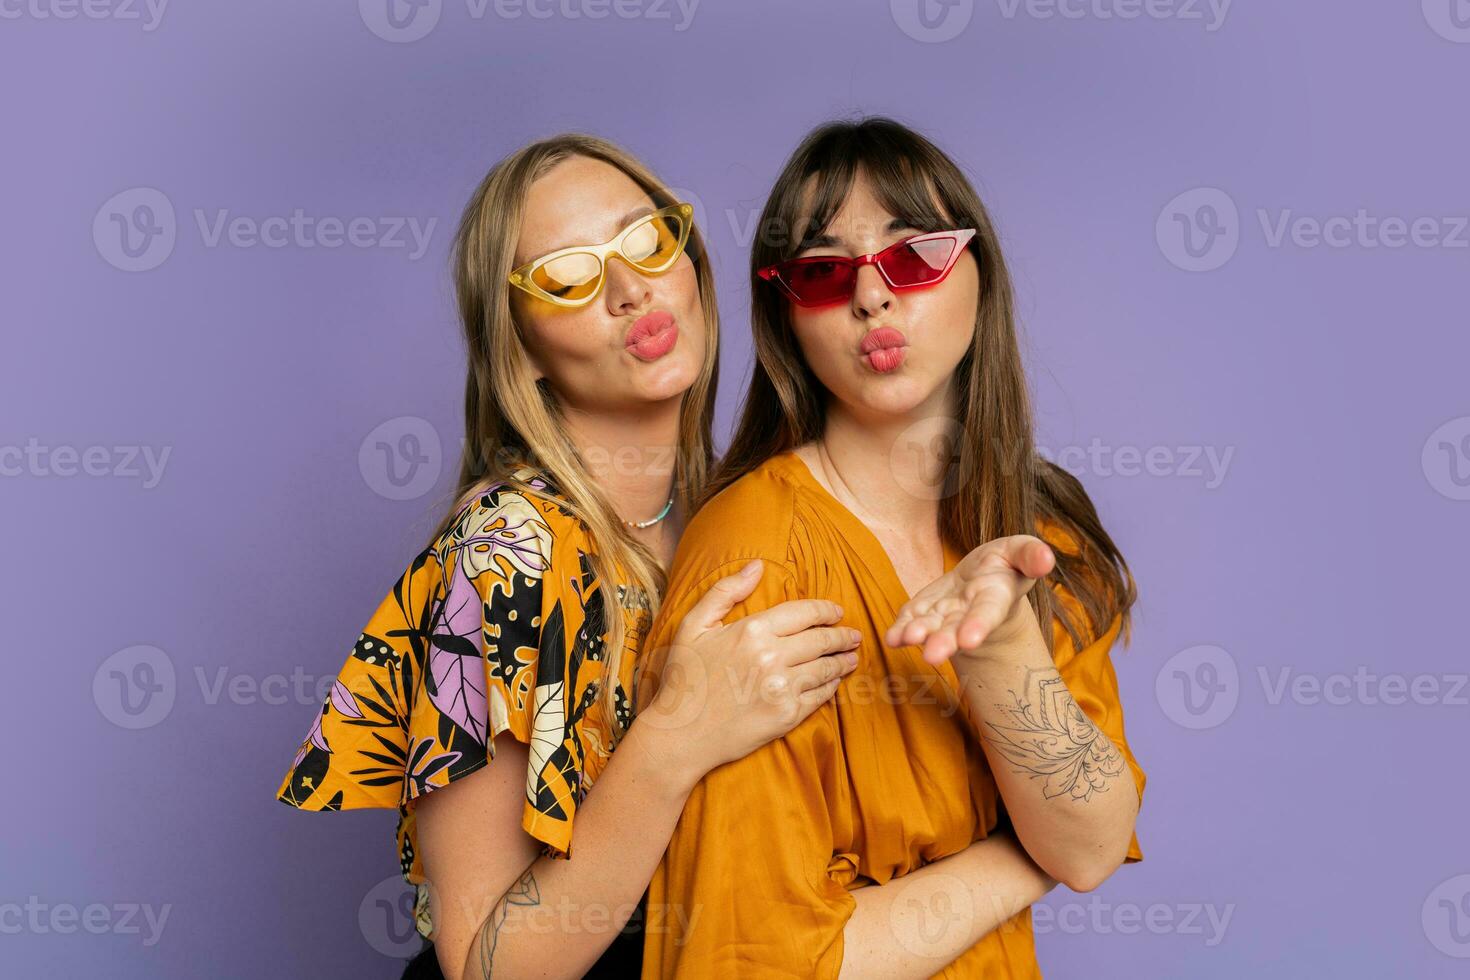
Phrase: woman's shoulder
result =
(450, 657)
(521, 515)
(752, 517)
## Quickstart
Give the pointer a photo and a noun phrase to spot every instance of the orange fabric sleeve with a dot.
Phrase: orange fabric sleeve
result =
(745, 881)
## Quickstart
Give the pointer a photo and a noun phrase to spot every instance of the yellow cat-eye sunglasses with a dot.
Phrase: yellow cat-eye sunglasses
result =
(573, 277)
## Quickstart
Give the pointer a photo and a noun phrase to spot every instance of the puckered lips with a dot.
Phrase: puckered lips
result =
(652, 335)
(883, 349)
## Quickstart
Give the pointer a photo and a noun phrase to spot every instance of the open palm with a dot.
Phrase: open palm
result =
(960, 610)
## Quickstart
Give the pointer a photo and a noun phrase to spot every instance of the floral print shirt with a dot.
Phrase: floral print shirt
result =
(497, 626)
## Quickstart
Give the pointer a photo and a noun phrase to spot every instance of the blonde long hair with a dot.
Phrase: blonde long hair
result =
(512, 419)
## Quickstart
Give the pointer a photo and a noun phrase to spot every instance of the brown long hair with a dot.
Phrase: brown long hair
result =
(1001, 486)
(513, 420)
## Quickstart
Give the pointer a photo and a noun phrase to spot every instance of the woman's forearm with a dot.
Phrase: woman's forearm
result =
(562, 914)
(1066, 787)
(915, 925)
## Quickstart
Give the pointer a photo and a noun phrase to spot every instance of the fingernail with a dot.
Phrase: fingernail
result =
(851, 658)
(854, 636)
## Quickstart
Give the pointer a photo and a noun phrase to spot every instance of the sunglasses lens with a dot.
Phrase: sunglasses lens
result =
(654, 245)
(819, 282)
(571, 277)
(916, 263)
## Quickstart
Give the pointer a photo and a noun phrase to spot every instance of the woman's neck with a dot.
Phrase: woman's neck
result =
(888, 472)
(631, 457)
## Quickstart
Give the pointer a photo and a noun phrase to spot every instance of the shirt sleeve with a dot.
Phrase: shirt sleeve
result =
(746, 887)
(470, 642)
(1089, 676)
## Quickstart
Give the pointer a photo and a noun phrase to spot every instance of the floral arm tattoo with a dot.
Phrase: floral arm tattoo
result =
(523, 892)
(1052, 739)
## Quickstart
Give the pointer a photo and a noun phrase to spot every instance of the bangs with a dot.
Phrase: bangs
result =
(900, 179)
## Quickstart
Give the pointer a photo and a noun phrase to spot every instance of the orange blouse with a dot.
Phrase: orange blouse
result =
(881, 780)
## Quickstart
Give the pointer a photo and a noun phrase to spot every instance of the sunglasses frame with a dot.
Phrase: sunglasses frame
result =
(521, 278)
(773, 273)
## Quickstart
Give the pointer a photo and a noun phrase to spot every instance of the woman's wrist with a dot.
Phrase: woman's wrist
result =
(664, 752)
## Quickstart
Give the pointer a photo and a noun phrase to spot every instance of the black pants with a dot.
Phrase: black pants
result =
(622, 959)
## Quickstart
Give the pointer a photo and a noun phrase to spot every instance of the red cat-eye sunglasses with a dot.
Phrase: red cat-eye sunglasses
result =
(922, 260)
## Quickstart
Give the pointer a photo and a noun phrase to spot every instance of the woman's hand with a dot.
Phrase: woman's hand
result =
(978, 604)
(729, 689)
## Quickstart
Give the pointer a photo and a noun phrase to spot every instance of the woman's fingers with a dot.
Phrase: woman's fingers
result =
(794, 615)
(810, 700)
(723, 596)
(822, 671)
(819, 641)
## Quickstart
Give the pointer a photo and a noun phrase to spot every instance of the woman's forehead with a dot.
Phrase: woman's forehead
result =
(578, 202)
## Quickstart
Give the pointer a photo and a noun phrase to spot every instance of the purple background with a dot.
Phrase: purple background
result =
(1335, 376)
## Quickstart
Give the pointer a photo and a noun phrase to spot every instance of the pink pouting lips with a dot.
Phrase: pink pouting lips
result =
(884, 349)
(653, 335)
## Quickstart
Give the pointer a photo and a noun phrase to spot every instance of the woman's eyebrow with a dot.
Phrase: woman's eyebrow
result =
(824, 240)
(622, 222)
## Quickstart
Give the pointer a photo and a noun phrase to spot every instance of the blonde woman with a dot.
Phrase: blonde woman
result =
(490, 689)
